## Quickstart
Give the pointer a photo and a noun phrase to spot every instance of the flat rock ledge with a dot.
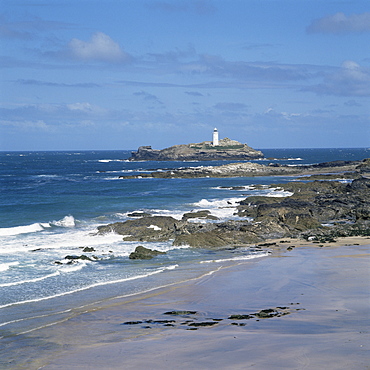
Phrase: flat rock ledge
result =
(248, 169)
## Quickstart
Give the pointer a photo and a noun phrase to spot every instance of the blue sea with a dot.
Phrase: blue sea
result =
(52, 203)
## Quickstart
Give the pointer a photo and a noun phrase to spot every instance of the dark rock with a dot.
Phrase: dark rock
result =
(205, 323)
(338, 163)
(82, 257)
(162, 321)
(88, 249)
(205, 239)
(205, 214)
(333, 176)
(180, 313)
(312, 204)
(269, 312)
(145, 153)
(132, 322)
(143, 253)
(364, 166)
(139, 214)
(359, 184)
(240, 317)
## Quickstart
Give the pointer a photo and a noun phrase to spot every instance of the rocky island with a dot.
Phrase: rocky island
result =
(205, 151)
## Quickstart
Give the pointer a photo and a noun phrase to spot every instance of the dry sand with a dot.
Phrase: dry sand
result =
(326, 291)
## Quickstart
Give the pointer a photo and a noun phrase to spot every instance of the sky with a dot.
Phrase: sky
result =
(118, 74)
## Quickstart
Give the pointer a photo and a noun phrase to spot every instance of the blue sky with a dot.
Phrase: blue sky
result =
(85, 74)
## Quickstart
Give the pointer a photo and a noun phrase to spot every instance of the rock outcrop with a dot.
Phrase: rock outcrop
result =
(249, 169)
(147, 228)
(227, 149)
(317, 209)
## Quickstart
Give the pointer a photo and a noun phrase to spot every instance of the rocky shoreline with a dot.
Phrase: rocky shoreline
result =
(314, 210)
(249, 169)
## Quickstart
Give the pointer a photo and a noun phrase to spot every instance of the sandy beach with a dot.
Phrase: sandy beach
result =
(316, 300)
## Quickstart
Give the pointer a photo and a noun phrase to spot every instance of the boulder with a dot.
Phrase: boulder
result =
(143, 253)
(82, 257)
(88, 249)
(139, 214)
(204, 214)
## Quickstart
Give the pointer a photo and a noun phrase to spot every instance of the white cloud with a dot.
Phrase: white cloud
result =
(100, 47)
(26, 124)
(350, 80)
(82, 107)
(340, 23)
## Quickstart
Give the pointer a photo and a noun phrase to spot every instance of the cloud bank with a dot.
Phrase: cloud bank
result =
(350, 80)
(341, 23)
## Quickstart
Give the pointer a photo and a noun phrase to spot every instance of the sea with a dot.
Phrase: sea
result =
(52, 203)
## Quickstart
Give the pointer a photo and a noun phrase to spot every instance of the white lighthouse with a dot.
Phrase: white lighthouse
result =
(215, 137)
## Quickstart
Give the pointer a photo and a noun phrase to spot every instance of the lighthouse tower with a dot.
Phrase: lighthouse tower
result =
(215, 137)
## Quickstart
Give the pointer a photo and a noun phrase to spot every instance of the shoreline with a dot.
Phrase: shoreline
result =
(321, 294)
(253, 169)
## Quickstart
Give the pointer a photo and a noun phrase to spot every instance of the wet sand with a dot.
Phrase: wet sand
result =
(324, 290)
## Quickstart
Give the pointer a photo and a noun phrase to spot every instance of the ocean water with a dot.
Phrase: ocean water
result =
(52, 203)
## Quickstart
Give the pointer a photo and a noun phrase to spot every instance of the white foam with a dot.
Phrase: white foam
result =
(239, 258)
(8, 231)
(110, 160)
(47, 176)
(235, 188)
(6, 266)
(172, 267)
(218, 203)
(177, 214)
(73, 268)
(67, 221)
(278, 192)
(155, 227)
(221, 208)
(30, 280)
(63, 242)
(102, 283)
